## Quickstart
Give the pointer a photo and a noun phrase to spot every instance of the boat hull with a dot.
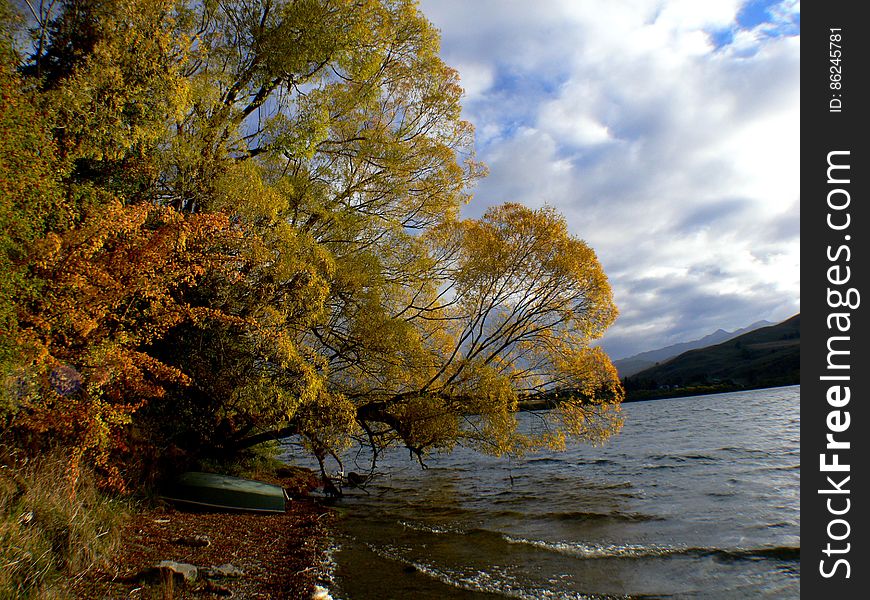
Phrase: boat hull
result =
(211, 491)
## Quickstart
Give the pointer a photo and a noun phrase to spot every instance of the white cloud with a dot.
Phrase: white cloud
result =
(677, 160)
(476, 78)
(569, 121)
(691, 15)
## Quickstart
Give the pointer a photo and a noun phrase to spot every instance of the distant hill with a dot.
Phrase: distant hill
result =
(637, 363)
(766, 357)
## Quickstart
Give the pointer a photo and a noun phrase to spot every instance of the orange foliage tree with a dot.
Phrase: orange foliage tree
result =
(110, 286)
(254, 228)
(87, 283)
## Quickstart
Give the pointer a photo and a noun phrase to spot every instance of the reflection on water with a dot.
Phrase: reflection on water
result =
(696, 498)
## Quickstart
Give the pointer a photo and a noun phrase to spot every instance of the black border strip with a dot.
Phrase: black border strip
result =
(834, 120)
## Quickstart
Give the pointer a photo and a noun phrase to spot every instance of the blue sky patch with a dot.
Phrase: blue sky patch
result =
(760, 12)
(769, 15)
(754, 13)
(722, 37)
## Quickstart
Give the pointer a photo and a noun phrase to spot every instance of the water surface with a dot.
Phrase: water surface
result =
(695, 498)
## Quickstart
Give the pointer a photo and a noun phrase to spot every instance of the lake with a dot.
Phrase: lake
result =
(696, 498)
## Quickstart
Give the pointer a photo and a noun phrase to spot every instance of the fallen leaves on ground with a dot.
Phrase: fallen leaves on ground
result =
(279, 554)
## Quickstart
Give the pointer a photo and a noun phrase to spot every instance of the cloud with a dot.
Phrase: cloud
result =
(477, 78)
(667, 132)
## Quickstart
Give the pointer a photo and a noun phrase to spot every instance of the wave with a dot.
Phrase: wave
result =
(684, 458)
(593, 516)
(494, 580)
(633, 551)
(651, 467)
(575, 516)
(544, 460)
(783, 553)
(436, 529)
(588, 550)
(597, 462)
(741, 450)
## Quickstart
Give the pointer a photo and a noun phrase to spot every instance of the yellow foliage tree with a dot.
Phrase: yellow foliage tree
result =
(344, 298)
(513, 305)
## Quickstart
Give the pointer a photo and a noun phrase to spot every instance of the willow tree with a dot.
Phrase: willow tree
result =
(507, 315)
(353, 301)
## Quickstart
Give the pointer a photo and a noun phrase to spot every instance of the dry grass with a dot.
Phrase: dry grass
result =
(65, 541)
(53, 530)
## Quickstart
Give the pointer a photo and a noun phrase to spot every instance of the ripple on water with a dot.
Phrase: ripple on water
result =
(697, 498)
(599, 551)
(503, 581)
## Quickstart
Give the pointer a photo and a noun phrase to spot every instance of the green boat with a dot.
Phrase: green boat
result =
(223, 492)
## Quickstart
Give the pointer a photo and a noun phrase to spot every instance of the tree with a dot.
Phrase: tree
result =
(29, 201)
(319, 145)
(511, 308)
(336, 159)
(109, 287)
(94, 276)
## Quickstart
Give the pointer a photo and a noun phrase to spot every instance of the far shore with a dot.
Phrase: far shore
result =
(665, 393)
(699, 390)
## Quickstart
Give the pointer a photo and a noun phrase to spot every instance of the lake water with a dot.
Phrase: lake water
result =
(695, 498)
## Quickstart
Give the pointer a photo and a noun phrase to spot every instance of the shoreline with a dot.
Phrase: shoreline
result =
(271, 556)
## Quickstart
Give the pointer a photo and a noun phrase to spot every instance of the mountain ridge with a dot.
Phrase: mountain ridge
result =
(636, 363)
(765, 357)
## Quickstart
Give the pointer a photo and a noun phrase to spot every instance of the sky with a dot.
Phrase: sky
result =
(665, 131)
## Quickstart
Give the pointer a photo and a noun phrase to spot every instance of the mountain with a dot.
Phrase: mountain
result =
(765, 357)
(637, 363)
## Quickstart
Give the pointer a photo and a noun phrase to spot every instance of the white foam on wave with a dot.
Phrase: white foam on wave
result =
(326, 572)
(495, 580)
(436, 529)
(590, 550)
(321, 593)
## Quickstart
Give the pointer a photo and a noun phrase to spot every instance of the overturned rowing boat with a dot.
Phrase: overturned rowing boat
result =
(223, 492)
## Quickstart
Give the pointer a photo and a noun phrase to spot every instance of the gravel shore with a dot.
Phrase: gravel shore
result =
(272, 556)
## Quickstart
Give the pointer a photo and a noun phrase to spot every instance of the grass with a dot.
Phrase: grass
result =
(52, 530)
(56, 535)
